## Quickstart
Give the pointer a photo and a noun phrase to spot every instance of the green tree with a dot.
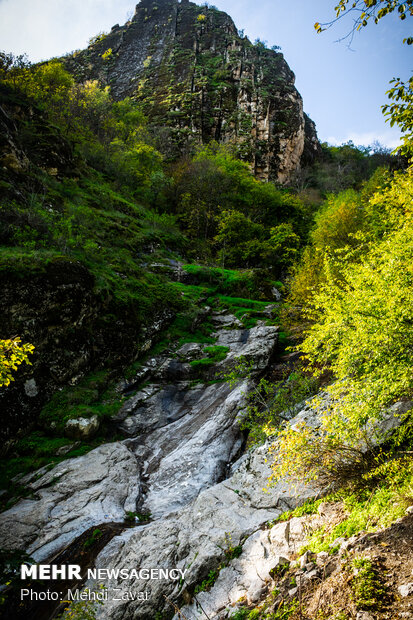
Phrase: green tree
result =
(337, 224)
(361, 331)
(284, 244)
(240, 239)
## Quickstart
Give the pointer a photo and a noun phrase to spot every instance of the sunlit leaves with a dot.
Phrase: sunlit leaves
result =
(400, 112)
(361, 332)
(12, 354)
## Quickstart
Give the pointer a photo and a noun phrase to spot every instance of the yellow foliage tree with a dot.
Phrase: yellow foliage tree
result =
(12, 354)
(361, 331)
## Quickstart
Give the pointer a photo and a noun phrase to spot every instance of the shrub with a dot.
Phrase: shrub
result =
(368, 588)
(12, 354)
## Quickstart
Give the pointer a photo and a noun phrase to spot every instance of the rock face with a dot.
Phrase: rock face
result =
(199, 80)
(75, 495)
(56, 307)
(196, 539)
(180, 441)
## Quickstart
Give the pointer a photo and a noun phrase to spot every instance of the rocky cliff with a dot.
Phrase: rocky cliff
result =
(198, 79)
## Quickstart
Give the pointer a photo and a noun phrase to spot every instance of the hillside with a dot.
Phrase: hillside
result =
(205, 338)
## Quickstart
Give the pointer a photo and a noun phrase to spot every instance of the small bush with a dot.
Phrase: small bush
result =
(208, 582)
(94, 537)
(368, 589)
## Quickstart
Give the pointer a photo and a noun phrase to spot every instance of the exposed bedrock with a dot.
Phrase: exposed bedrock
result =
(179, 462)
(180, 440)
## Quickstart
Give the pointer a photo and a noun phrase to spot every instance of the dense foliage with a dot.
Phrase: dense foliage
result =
(343, 167)
(234, 218)
(361, 317)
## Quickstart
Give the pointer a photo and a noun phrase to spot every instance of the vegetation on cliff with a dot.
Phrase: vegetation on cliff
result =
(115, 246)
(198, 79)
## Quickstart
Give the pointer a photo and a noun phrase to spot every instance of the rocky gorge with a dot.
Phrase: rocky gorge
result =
(197, 501)
(205, 355)
(177, 466)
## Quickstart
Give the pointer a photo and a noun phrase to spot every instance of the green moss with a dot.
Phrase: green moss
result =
(131, 517)
(39, 444)
(248, 311)
(215, 354)
(92, 396)
(184, 329)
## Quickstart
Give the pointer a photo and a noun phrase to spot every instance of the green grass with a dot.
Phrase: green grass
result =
(131, 517)
(309, 507)
(208, 582)
(223, 280)
(193, 292)
(241, 283)
(368, 589)
(103, 229)
(93, 396)
(248, 311)
(182, 331)
(370, 509)
(283, 612)
(215, 354)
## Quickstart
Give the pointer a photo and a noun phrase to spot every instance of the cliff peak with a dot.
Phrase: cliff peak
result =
(198, 79)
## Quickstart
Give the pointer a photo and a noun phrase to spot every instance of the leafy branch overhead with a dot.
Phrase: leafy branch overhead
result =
(401, 93)
(367, 10)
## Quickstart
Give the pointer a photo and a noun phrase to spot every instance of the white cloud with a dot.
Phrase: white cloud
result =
(44, 28)
(387, 138)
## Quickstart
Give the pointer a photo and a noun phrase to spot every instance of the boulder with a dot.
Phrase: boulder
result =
(406, 590)
(82, 428)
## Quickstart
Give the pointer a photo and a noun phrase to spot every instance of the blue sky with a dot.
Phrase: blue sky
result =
(342, 89)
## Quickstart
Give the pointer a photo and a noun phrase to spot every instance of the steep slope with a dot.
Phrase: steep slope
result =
(71, 254)
(198, 80)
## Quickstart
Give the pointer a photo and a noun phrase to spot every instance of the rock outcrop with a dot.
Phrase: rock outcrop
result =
(181, 440)
(199, 79)
(179, 466)
(72, 497)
